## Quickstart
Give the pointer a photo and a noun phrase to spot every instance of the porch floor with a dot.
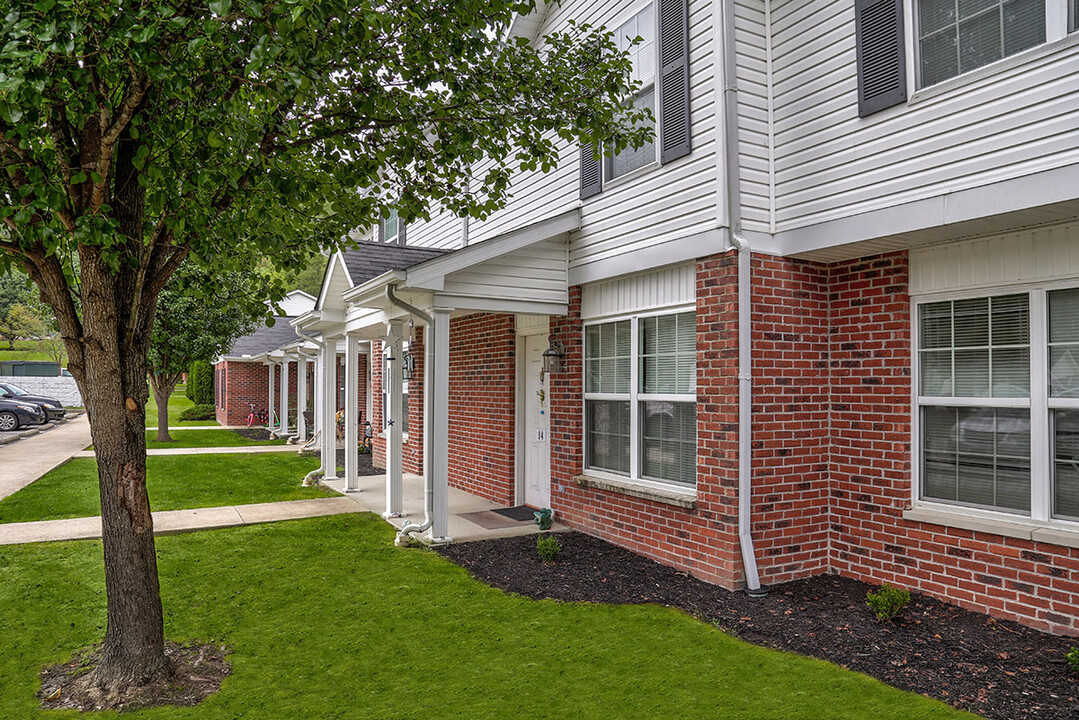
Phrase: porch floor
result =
(372, 497)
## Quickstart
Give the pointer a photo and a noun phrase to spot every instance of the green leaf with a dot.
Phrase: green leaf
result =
(220, 7)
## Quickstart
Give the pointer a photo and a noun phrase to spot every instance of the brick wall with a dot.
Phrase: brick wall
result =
(244, 382)
(703, 540)
(412, 452)
(1035, 583)
(482, 405)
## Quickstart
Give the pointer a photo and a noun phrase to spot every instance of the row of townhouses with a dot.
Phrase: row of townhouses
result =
(828, 322)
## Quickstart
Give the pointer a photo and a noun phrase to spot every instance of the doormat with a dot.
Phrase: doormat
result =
(521, 512)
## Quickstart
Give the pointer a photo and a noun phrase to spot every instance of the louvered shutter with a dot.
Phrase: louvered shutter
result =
(674, 141)
(591, 177)
(882, 65)
(401, 228)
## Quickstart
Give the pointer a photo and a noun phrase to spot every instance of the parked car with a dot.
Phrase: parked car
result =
(54, 409)
(16, 413)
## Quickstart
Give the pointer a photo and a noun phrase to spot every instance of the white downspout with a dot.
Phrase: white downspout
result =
(745, 325)
(429, 477)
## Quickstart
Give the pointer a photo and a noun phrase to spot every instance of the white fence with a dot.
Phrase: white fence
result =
(63, 389)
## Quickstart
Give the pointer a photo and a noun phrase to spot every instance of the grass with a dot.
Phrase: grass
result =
(177, 404)
(173, 482)
(203, 439)
(27, 350)
(326, 619)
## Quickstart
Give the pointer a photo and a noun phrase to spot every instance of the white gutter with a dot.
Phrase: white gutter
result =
(428, 450)
(745, 284)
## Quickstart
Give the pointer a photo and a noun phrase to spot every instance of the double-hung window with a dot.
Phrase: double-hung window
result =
(391, 229)
(640, 397)
(643, 55)
(998, 402)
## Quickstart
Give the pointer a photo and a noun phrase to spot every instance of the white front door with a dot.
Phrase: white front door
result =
(536, 425)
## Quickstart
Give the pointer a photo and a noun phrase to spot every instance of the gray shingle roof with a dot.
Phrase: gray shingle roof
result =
(265, 339)
(370, 259)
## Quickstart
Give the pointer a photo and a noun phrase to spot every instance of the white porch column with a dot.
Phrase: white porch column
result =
(352, 413)
(316, 418)
(394, 422)
(328, 362)
(301, 399)
(283, 415)
(270, 367)
(436, 419)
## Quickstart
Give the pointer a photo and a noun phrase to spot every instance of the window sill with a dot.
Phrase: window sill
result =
(1057, 534)
(630, 176)
(386, 436)
(668, 496)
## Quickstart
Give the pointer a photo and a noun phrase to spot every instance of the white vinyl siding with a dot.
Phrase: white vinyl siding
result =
(1020, 119)
(671, 202)
(640, 397)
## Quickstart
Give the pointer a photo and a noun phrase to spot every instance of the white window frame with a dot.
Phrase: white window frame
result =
(634, 397)
(1058, 25)
(605, 170)
(1039, 403)
(390, 239)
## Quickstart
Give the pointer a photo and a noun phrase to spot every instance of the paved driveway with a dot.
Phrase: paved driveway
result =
(23, 462)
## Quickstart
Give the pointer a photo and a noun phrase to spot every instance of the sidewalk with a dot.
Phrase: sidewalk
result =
(209, 451)
(178, 521)
(30, 458)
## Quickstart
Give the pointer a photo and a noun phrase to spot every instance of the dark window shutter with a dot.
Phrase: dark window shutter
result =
(591, 178)
(882, 64)
(673, 92)
(382, 231)
(401, 231)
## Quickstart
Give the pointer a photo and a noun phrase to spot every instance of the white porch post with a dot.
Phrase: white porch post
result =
(352, 413)
(283, 415)
(270, 367)
(316, 418)
(436, 411)
(328, 361)
(301, 399)
(394, 423)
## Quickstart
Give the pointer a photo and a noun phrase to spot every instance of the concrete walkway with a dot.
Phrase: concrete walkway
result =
(232, 450)
(178, 521)
(24, 462)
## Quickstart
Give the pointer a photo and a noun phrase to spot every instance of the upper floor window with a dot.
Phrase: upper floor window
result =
(660, 61)
(643, 54)
(957, 36)
(391, 229)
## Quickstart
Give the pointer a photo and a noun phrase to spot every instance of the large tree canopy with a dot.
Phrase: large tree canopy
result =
(137, 133)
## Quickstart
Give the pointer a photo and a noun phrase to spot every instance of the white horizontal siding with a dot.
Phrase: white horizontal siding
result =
(667, 287)
(751, 50)
(1041, 255)
(830, 164)
(536, 273)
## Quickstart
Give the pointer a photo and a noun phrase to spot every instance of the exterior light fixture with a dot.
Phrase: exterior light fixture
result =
(553, 356)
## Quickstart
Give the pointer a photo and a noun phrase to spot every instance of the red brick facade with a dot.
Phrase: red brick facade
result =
(482, 405)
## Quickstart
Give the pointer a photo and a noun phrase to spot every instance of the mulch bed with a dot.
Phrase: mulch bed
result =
(364, 467)
(998, 669)
(254, 433)
(195, 673)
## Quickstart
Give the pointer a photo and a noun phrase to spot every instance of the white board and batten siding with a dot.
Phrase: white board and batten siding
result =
(1042, 255)
(668, 287)
(1014, 118)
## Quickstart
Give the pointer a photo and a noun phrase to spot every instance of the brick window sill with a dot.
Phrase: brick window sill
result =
(1063, 535)
(667, 495)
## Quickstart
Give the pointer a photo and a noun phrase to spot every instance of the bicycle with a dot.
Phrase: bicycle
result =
(260, 416)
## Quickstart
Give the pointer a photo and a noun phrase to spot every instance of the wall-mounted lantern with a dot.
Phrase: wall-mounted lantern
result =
(553, 356)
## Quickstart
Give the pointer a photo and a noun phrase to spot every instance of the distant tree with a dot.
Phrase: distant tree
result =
(199, 315)
(14, 290)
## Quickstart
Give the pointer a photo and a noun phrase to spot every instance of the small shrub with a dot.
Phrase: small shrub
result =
(548, 548)
(1072, 656)
(200, 383)
(199, 412)
(888, 601)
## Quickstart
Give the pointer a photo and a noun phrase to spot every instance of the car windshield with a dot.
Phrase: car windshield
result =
(15, 390)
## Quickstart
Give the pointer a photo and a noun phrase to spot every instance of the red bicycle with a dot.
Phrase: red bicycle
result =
(259, 416)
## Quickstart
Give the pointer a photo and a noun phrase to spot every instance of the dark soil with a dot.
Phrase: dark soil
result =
(364, 467)
(254, 433)
(195, 673)
(998, 669)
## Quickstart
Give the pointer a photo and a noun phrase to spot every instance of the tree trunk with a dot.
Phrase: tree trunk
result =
(163, 385)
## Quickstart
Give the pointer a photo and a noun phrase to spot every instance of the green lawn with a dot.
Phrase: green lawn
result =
(173, 482)
(326, 619)
(27, 350)
(204, 439)
(177, 404)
